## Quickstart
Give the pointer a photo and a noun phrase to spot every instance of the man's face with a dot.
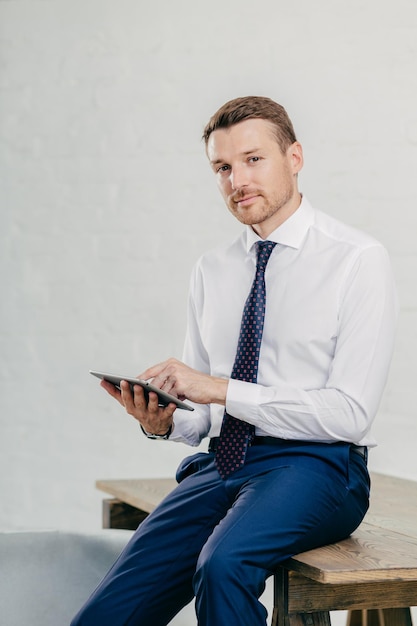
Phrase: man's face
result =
(257, 181)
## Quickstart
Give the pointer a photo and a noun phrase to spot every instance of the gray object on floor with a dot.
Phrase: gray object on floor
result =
(45, 576)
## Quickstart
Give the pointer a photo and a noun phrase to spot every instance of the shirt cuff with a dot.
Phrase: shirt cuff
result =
(241, 396)
(188, 429)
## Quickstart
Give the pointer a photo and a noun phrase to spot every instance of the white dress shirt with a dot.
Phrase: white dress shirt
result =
(328, 336)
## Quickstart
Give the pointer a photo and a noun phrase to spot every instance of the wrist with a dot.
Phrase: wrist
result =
(159, 436)
(220, 391)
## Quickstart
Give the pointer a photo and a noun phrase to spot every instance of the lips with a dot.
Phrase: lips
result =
(248, 198)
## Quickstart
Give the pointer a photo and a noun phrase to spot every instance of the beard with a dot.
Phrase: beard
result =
(263, 206)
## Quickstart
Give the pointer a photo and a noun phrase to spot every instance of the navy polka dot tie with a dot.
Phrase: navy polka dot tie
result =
(236, 434)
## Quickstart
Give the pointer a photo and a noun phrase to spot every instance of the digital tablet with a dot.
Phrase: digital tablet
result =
(163, 397)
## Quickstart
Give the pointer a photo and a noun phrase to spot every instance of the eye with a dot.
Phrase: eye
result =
(223, 168)
(254, 159)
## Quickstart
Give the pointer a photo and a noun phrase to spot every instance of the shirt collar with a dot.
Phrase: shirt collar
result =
(292, 232)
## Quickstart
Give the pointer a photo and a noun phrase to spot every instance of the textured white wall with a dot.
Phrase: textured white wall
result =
(106, 201)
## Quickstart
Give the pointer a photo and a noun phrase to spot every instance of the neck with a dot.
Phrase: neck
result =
(265, 228)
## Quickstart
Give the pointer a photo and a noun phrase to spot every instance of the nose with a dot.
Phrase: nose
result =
(238, 177)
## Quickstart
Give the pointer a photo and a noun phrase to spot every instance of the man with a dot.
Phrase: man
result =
(286, 393)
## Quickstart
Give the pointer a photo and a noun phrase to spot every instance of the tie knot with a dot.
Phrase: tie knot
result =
(263, 250)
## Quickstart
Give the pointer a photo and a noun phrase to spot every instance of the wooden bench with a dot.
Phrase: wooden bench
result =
(372, 574)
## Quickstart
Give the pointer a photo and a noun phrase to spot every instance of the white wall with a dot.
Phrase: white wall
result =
(106, 201)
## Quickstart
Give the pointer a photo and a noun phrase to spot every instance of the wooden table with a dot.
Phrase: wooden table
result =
(372, 574)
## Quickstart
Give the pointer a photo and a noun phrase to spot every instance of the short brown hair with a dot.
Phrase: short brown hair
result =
(253, 107)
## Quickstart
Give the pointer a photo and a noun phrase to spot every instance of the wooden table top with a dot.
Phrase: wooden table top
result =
(143, 493)
(383, 548)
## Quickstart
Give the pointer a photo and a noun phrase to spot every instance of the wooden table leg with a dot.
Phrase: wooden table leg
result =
(281, 616)
(118, 514)
(301, 602)
(380, 617)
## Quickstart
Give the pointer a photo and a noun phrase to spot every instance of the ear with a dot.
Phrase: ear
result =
(296, 158)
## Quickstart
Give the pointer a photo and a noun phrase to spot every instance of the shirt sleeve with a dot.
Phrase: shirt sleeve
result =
(344, 409)
(191, 427)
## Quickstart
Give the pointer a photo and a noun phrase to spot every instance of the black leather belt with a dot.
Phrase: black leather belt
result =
(362, 450)
(273, 441)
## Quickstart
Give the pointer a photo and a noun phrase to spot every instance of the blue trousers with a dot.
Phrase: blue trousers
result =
(219, 541)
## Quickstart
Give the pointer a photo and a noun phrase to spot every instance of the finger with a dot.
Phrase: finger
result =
(111, 390)
(170, 408)
(153, 371)
(126, 395)
(165, 379)
(168, 411)
(165, 382)
(153, 402)
(139, 398)
(161, 371)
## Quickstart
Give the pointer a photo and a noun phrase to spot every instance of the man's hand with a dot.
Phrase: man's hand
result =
(152, 417)
(175, 378)
(186, 383)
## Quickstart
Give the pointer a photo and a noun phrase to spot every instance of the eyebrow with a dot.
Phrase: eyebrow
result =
(245, 153)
